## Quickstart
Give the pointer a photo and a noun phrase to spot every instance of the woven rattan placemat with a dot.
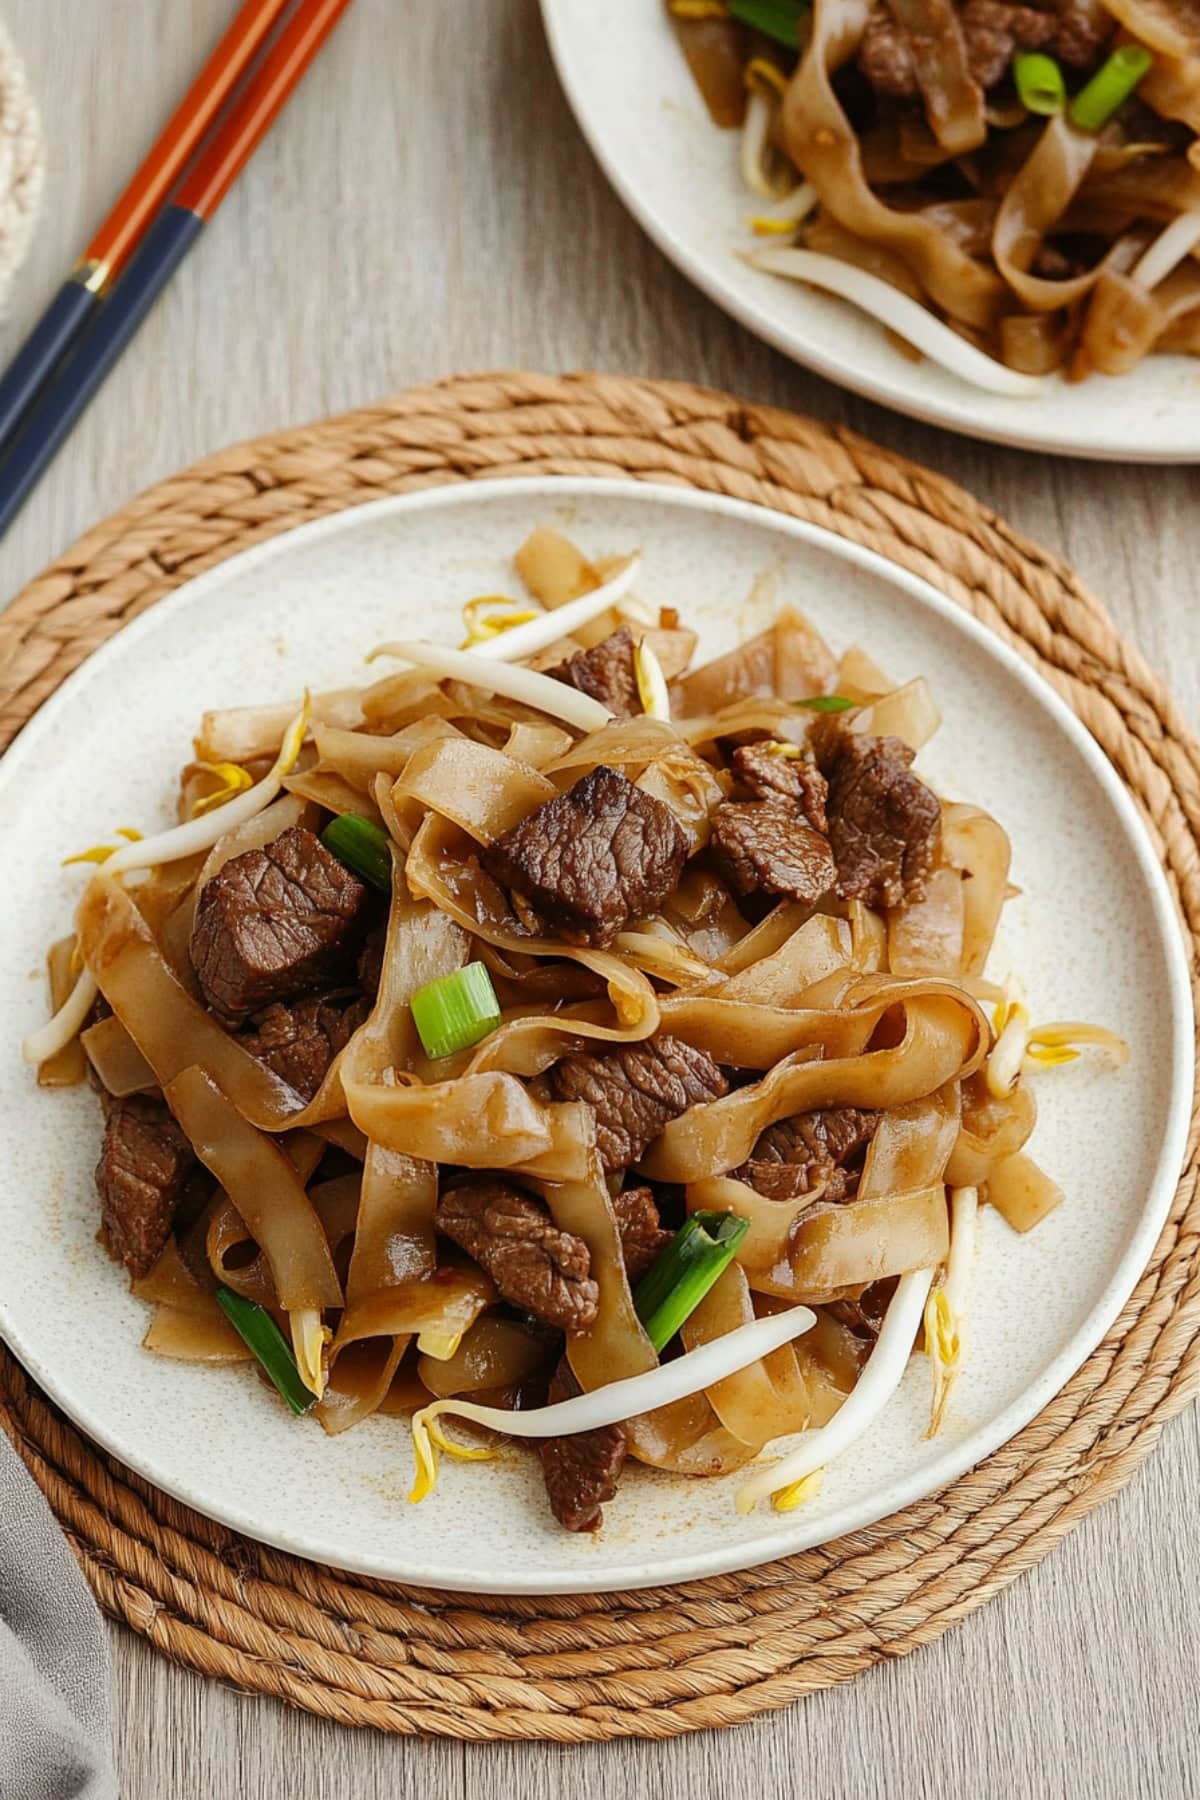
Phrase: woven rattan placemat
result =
(661, 1661)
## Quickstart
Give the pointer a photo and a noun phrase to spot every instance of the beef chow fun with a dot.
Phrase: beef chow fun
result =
(1010, 190)
(567, 1039)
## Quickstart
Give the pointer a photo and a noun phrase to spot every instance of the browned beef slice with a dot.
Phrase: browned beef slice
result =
(592, 859)
(808, 1151)
(511, 1235)
(884, 823)
(794, 779)
(276, 924)
(143, 1169)
(580, 1472)
(636, 1089)
(642, 1236)
(605, 672)
(993, 32)
(301, 1040)
(762, 848)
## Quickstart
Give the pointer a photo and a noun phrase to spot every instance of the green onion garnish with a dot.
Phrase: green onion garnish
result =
(1040, 84)
(259, 1332)
(362, 847)
(456, 1011)
(778, 19)
(826, 703)
(673, 1286)
(1110, 87)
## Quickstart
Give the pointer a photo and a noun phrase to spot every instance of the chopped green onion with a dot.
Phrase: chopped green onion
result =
(363, 847)
(826, 703)
(674, 1285)
(259, 1332)
(456, 1011)
(1110, 87)
(778, 19)
(1040, 84)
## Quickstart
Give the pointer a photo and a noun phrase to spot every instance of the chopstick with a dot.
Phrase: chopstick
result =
(166, 243)
(118, 237)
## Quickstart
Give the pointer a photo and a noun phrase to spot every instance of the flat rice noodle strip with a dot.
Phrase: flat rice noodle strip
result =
(767, 1399)
(537, 745)
(685, 1437)
(743, 720)
(226, 1232)
(402, 699)
(622, 744)
(170, 1029)
(263, 1186)
(822, 143)
(240, 733)
(868, 937)
(673, 645)
(703, 912)
(761, 940)
(828, 238)
(1158, 188)
(788, 661)
(1033, 205)
(926, 937)
(119, 1064)
(195, 1337)
(793, 954)
(486, 1121)
(553, 569)
(358, 756)
(1169, 26)
(173, 1281)
(1126, 321)
(345, 1135)
(448, 1301)
(897, 1222)
(907, 713)
(715, 51)
(528, 1043)
(689, 788)
(482, 791)
(359, 1380)
(1022, 1193)
(68, 1066)
(758, 1037)
(945, 1039)
(332, 794)
(953, 98)
(1172, 88)
(1035, 343)
(978, 846)
(166, 886)
(830, 1359)
(990, 1131)
(494, 1353)
(1182, 338)
(860, 678)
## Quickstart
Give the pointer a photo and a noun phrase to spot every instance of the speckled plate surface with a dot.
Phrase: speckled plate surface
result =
(1093, 935)
(642, 114)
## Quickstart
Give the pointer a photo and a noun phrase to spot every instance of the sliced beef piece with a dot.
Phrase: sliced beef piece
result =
(536, 1267)
(580, 1472)
(606, 672)
(636, 1089)
(763, 848)
(143, 1170)
(865, 1316)
(592, 859)
(277, 924)
(300, 1041)
(884, 823)
(809, 1151)
(642, 1236)
(993, 33)
(792, 780)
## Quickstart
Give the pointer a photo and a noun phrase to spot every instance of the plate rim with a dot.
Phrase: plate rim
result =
(881, 390)
(981, 1443)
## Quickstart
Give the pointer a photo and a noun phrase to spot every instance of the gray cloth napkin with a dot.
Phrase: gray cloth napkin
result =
(54, 1720)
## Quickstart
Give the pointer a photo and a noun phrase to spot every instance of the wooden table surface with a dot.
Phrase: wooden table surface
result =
(426, 205)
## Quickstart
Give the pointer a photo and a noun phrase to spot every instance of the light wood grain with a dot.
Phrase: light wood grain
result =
(427, 205)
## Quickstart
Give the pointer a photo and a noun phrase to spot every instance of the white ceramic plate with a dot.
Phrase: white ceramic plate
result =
(643, 116)
(1093, 936)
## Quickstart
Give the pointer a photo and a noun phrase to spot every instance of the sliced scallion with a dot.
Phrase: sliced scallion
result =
(259, 1332)
(1110, 87)
(456, 1011)
(673, 1286)
(778, 19)
(363, 847)
(1040, 85)
(826, 703)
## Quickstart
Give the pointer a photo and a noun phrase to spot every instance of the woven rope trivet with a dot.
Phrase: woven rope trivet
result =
(22, 162)
(662, 1661)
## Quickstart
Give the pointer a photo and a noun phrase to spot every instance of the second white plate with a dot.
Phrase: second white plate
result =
(643, 116)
